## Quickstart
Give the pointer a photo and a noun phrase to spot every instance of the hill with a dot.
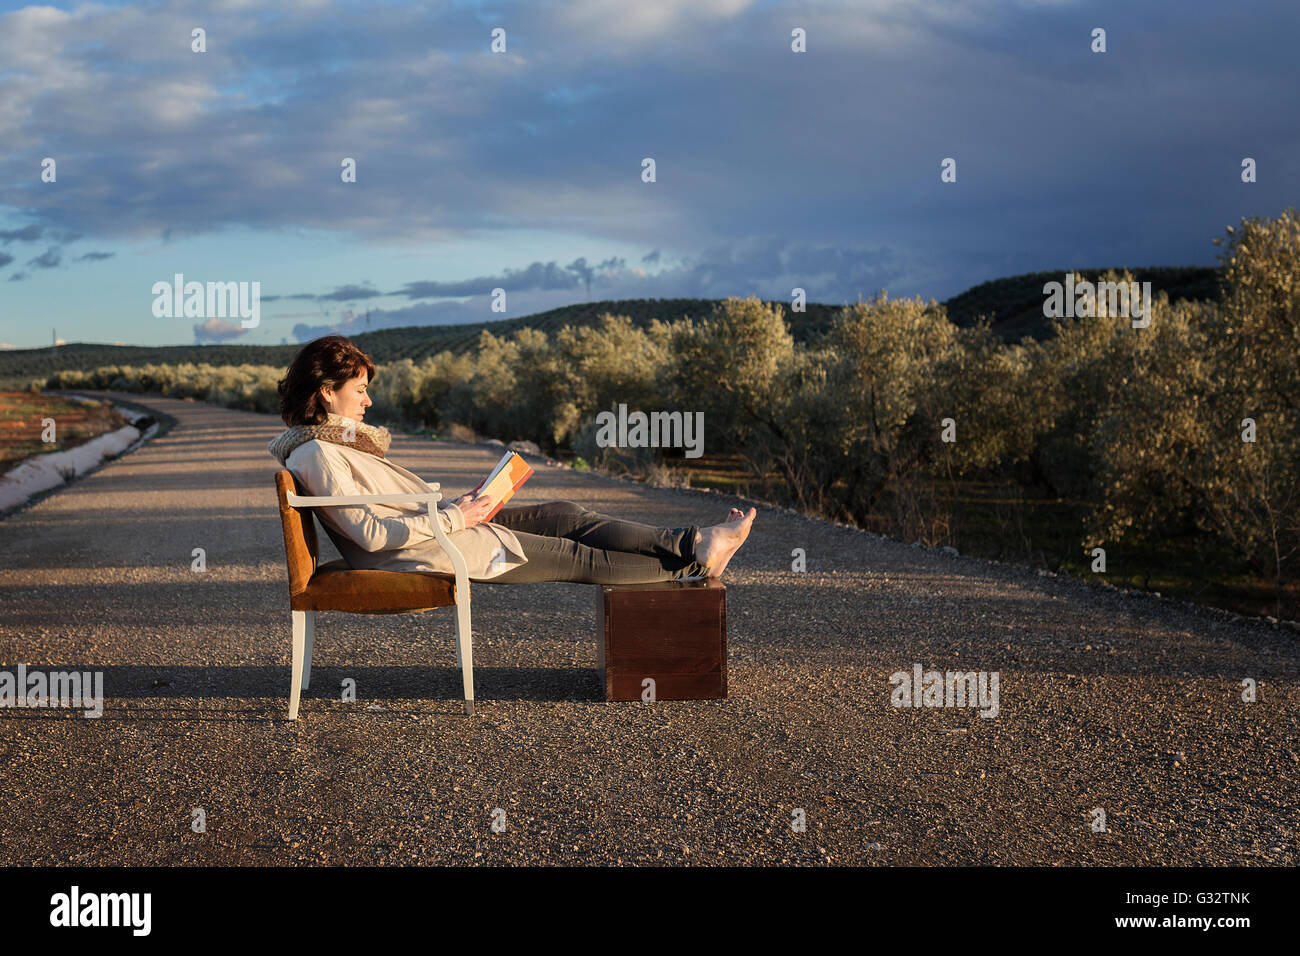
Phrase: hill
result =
(1013, 304)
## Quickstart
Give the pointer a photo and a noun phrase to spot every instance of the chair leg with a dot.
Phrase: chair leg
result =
(306, 657)
(299, 647)
(465, 655)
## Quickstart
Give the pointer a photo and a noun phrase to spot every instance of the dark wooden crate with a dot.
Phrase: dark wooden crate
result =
(674, 632)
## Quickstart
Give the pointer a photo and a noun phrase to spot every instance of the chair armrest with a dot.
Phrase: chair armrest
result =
(315, 501)
(429, 499)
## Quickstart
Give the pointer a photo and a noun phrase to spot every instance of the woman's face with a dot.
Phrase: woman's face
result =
(350, 400)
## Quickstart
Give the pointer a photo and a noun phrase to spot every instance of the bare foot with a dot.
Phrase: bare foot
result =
(735, 514)
(717, 543)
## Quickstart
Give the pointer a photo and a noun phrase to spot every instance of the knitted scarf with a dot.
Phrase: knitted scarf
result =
(365, 437)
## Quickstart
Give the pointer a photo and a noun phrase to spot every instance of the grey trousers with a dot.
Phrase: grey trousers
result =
(564, 541)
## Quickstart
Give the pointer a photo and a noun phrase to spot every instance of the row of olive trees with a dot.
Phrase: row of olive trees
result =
(1193, 424)
(250, 387)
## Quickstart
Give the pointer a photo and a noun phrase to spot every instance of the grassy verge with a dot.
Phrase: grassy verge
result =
(75, 423)
(85, 421)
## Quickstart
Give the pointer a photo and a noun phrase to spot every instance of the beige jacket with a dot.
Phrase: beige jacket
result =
(395, 537)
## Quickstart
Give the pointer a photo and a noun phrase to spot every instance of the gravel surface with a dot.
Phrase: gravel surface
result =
(1127, 703)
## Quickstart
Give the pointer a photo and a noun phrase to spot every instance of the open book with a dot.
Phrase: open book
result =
(506, 478)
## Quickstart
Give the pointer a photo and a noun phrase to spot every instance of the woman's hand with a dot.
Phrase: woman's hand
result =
(474, 509)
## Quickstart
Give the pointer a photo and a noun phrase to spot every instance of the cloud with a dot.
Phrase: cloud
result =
(52, 257)
(297, 295)
(835, 151)
(538, 275)
(29, 233)
(639, 23)
(347, 293)
(252, 132)
(216, 330)
(49, 259)
(770, 267)
(95, 256)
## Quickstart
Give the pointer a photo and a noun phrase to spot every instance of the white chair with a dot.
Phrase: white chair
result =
(334, 586)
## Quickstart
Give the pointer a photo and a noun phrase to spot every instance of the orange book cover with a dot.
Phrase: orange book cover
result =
(506, 478)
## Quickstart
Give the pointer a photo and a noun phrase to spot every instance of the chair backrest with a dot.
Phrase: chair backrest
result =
(301, 546)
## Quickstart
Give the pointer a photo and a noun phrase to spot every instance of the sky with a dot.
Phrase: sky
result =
(521, 168)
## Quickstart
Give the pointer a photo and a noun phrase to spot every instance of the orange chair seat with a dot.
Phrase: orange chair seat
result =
(336, 587)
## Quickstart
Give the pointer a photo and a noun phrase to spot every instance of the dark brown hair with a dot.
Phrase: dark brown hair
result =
(332, 361)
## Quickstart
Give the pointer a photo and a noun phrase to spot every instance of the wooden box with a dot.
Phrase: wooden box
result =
(674, 632)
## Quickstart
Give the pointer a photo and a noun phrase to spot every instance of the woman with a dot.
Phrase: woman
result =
(332, 452)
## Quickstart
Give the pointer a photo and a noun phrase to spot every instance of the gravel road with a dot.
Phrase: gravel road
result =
(1124, 703)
